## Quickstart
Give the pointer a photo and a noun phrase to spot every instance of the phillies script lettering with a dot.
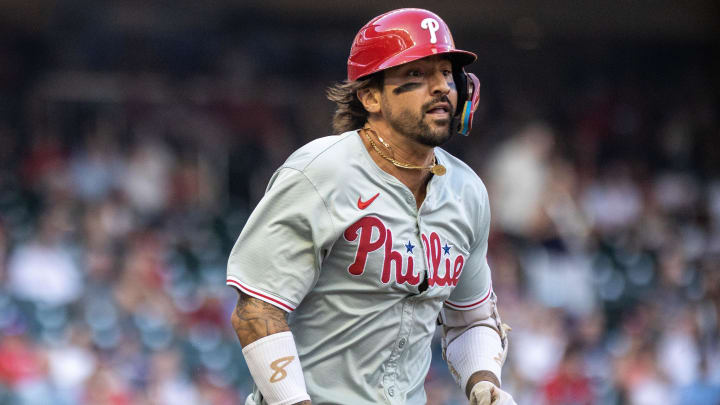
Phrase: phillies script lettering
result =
(441, 272)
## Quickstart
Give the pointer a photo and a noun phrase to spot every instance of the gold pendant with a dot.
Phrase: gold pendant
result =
(438, 170)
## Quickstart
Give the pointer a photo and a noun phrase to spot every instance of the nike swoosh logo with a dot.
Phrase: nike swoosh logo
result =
(364, 204)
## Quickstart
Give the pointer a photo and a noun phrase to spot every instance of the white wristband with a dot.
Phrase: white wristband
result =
(275, 367)
(478, 348)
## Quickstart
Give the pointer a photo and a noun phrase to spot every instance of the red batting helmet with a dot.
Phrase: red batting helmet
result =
(408, 34)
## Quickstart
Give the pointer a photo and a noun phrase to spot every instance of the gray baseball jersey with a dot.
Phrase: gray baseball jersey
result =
(341, 245)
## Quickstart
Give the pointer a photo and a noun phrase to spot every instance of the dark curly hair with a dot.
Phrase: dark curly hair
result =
(350, 113)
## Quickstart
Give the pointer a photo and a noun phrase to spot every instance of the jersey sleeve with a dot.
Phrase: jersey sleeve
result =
(475, 284)
(278, 254)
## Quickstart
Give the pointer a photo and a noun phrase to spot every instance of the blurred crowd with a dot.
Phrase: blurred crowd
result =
(123, 187)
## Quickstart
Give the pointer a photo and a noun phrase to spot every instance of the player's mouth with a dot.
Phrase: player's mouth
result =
(439, 111)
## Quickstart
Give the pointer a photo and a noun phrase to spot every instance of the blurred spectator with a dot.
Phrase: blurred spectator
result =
(147, 179)
(70, 365)
(21, 363)
(703, 390)
(107, 387)
(568, 385)
(678, 351)
(613, 202)
(517, 176)
(168, 385)
(44, 270)
(97, 168)
(538, 346)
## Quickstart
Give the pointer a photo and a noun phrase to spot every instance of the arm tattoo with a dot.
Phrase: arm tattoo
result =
(254, 319)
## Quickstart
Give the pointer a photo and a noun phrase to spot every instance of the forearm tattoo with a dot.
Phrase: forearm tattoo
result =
(254, 319)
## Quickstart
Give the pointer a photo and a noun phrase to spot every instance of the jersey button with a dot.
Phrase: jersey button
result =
(402, 342)
(391, 391)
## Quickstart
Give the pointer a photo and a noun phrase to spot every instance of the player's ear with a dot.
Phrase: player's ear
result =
(370, 99)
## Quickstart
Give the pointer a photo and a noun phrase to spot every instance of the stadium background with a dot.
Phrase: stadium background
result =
(136, 137)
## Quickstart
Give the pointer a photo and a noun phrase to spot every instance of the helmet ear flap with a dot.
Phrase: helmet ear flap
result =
(468, 87)
(461, 83)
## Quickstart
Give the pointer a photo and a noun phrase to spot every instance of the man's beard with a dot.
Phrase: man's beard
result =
(413, 126)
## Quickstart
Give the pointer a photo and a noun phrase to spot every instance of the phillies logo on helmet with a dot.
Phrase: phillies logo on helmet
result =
(431, 25)
(440, 273)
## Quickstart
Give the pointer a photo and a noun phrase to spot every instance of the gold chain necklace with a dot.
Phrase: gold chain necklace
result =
(435, 168)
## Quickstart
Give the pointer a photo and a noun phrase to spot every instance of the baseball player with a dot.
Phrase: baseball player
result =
(366, 240)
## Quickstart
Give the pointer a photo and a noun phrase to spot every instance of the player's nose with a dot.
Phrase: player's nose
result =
(439, 85)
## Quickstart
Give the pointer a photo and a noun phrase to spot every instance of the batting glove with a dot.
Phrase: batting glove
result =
(486, 393)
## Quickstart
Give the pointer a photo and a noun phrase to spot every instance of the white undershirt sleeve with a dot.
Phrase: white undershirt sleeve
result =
(474, 340)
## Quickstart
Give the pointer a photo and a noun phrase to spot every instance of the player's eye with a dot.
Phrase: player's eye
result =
(447, 73)
(414, 73)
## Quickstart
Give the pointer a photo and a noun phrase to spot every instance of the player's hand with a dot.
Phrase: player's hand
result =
(486, 393)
